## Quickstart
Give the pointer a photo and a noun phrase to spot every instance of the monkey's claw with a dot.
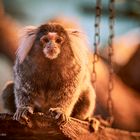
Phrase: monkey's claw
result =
(21, 115)
(58, 115)
(94, 124)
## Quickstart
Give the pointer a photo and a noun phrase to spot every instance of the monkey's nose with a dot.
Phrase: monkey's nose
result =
(51, 47)
(48, 46)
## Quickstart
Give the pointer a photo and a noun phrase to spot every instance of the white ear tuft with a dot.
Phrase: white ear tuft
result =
(27, 37)
(79, 45)
(73, 32)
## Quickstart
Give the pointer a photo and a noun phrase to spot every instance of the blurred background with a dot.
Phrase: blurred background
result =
(14, 14)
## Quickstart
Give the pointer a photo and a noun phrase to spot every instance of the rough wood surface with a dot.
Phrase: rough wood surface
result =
(43, 127)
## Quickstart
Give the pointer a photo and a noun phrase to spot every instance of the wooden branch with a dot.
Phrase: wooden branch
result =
(45, 127)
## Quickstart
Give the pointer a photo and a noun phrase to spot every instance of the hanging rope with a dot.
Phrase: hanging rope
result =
(111, 8)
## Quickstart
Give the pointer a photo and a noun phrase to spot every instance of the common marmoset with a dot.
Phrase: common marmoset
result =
(51, 72)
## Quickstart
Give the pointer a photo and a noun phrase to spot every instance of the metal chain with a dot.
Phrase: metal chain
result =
(96, 39)
(110, 50)
(110, 54)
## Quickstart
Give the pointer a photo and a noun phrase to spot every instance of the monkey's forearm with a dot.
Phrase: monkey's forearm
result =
(23, 98)
(24, 104)
(66, 99)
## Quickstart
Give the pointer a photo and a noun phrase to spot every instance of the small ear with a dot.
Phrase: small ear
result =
(77, 33)
(27, 37)
(73, 32)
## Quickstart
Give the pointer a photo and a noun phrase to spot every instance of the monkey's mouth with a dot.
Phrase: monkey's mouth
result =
(52, 53)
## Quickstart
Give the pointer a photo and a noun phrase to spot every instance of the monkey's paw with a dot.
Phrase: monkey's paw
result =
(58, 115)
(21, 115)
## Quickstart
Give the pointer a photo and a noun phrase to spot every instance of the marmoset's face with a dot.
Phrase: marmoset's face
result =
(51, 44)
(52, 40)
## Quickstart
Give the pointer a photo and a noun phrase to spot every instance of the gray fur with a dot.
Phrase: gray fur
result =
(63, 82)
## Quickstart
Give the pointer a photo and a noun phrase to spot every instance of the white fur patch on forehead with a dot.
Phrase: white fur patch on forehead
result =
(27, 37)
(52, 35)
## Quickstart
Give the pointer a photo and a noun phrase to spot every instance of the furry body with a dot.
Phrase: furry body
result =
(45, 79)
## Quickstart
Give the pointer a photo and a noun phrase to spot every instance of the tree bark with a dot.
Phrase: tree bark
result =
(44, 127)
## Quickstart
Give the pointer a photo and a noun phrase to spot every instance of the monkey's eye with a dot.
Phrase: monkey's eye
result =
(58, 40)
(44, 39)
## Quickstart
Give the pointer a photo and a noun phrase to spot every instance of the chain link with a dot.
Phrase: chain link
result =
(96, 39)
(110, 50)
(110, 54)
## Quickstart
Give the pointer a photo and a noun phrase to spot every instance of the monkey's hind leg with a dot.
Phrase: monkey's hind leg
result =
(8, 97)
(85, 106)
